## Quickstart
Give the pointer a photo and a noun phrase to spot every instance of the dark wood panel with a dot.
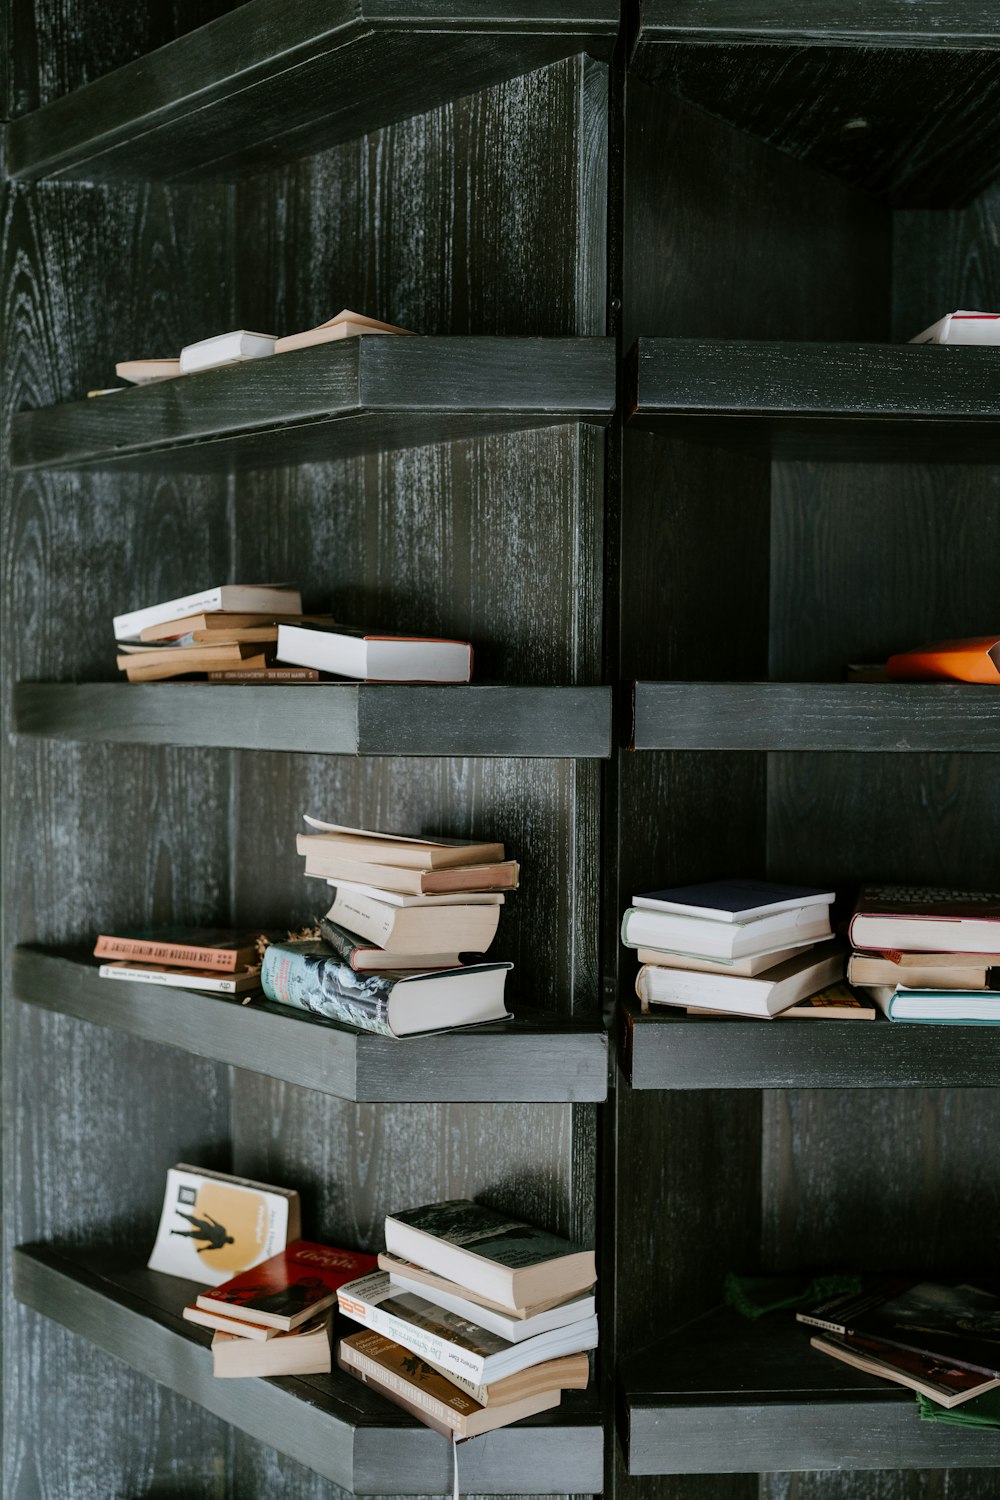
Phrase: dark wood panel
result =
(914, 123)
(355, 396)
(532, 1057)
(815, 716)
(846, 23)
(325, 718)
(332, 1423)
(663, 1048)
(240, 93)
(845, 401)
(941, 263)
(729, 1395)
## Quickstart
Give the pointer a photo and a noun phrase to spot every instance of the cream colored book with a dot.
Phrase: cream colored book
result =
(142, 371)
(346, 325)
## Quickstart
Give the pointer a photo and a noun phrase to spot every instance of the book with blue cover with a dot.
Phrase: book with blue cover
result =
(735, 900)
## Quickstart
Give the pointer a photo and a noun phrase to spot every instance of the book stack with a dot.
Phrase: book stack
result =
(928, 955)
(940, 1341)
(222, 961)
(740, 947)
(474, 1319)
(275, 1319)
(227, 634)
(403, 942)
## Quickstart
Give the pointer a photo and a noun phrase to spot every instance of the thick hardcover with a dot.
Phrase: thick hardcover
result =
(733, 900)
(289, 1288)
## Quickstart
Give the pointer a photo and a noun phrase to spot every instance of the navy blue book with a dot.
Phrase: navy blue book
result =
(733, 900)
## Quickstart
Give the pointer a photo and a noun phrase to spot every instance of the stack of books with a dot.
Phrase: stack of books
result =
(928, 955)
(938, 1340)
(474, 1319)
(403, 942)
(275, 1319)
(227, 634)
(222, 961)
(740, 947)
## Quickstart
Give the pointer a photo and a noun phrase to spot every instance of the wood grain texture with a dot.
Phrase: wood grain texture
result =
(664, 1048)
(332, 719)
(913, 124)
(943, 261)
(865, 717)
(730, 1395)
(846, 23)
(240, 93)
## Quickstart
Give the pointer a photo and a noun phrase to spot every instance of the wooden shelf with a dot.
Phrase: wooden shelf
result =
(325, 718)
(832, 716)
(901, 99)
(728, 1396)
(663, 1048)
(535, 1057)
(332, 1424)
(332, 401)
(277, 79)
(908, 402)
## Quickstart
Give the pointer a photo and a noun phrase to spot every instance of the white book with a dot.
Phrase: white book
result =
(226, 349)
(238, 598)
(764, 996)
(510, 1328)
(758, 963)
(709, 939)
(176, 979)
(213, 1226)
(375, 658)
(399, 898)
(963, 327)
(940, 1007)
(445, 1339)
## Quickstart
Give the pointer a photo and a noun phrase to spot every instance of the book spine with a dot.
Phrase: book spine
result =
(814, 1322)
(325, 986)
(439, 1410)
(135, 949)
(213, 985)
(265, 674)
(372, 920)
(340, 941)
(435, 1350)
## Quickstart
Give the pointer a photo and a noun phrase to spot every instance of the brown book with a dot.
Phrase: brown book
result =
(303, 1351)
(265, 674)
(222, 1324)
(158, 666)
(369, 847)
(408, 1381)
(501, 876)
(223, 948)
(222, 622)
(346, 324)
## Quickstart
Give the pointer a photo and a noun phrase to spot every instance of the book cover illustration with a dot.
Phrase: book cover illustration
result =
(291, 1286)
(211, 1228)
(483, 1231)
(314, 979)
(957, 1323)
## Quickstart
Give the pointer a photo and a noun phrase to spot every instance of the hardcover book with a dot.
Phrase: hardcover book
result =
(310, 977)
(494, 1254)
(705, 937)
(894, 918)
(449, 1341)
(733, 900)
(213, 1225)
(285, 1290)
(763, 996)
(364, 959)
(370, 657)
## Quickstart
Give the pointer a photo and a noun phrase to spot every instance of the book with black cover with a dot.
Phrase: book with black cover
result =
(960, 1324)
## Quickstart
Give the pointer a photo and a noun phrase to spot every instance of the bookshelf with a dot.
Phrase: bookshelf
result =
(346, 1434)
(663, 454)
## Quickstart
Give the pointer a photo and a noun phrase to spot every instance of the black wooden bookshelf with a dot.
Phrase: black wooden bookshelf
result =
(844, 401)
(535, 1056)
(824, 716)
(725, 1395)
(325, 718)
(663, 1048)
(241, 93)
(329, 1423)
(336, 400)
(902, 98)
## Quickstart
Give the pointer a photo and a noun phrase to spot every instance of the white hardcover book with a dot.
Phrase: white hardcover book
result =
(962, 327)
(764, 996)
(759, 963)
(375, 658)
(226, 349)
(735, 900)
(709, 939)
(942, 1007)
(237, 598)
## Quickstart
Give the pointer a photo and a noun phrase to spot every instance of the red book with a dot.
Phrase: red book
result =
(221, 948)
(289, 1288)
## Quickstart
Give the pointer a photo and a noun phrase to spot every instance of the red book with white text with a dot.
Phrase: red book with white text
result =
(290, 1287)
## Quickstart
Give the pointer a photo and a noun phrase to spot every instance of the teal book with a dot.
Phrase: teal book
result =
(310, 976)
(489, 1252)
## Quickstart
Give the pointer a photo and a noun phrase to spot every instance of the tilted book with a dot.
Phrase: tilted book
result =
(311, 977)
(496, 1255)
(289, 1288)
(960, 1324)
(302, 1351)
(243, 598)
(449, 1341)
(213, 1225)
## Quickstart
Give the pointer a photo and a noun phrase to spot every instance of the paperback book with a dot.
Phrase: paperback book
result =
(290, 1287)
(302, 1351)
(960, 1324)
(213, 1225)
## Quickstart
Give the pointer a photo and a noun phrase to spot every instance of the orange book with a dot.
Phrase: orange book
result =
(974, 660)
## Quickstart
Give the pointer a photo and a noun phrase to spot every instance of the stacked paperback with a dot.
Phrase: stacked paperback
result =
(926, 955)
(227, 634)
(403, 942)
(941, 1341)
(740, 947)
(218, 960)
(474, 1320)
